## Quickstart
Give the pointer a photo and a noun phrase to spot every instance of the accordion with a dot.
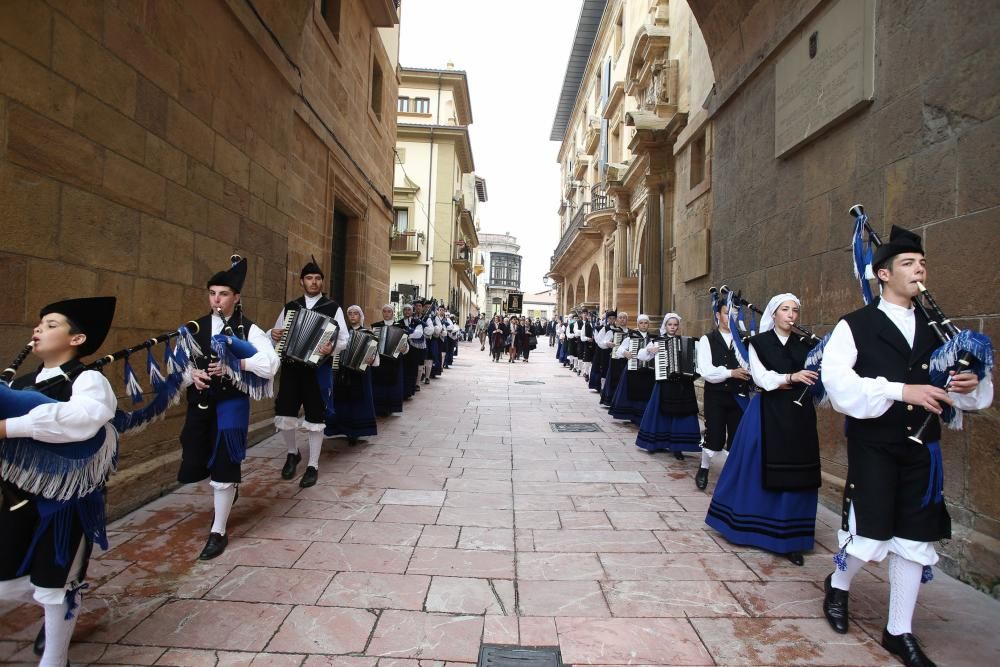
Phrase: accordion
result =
(619, 336)
(361, 350)
(636, 343)
(676, 358)
(306, 331)
(391, 341)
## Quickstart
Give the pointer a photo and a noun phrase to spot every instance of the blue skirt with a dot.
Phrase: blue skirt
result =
(435, 350)
(561, 352)
(747, 513)
(676, 433)
(354, 416)
(594, 381)
(623, 407)
(611, 381)
(387, 386)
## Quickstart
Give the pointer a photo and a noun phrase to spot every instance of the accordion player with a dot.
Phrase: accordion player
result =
(361, 351)
(677, 357)
(305, 332)
(392, 340)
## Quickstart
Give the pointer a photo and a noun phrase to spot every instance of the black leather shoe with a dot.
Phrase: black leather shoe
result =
(701, 478)
(835, 606)
(214, 547)
(309, 477)
(796, 558)
(679, 456)
(291, 462)
(39, 646)
(906, 648)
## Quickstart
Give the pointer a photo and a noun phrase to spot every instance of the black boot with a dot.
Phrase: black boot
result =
(291, 462)
(214, 547)
(701, 478)
(906, 648)
(835, 606)
(679, 456)
(796, 558)
(39, 646)
(309, 477)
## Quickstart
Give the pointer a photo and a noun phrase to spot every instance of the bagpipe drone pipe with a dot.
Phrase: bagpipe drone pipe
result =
(961, 351)
(66, 471)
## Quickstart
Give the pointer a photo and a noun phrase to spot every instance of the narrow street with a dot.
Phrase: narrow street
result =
(470, 520)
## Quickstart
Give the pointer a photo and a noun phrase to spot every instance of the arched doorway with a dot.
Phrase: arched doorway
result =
(594, 285)
(570, 299)
(581, 291)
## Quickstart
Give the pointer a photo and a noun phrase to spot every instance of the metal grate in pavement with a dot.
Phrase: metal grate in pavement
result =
(575, 427)
(529, 382)
(516, 656)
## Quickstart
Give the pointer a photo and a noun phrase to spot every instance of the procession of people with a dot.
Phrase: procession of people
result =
(757, 421)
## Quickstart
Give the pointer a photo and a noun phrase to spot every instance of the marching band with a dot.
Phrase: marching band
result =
(896, 368)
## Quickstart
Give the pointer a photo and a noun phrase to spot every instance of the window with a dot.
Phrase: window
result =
(377, 89)
(619, 32)
(421, 105)
(697, 161)
(402, 221)
(505, 270)
(403, 105)
(615, 149)
(330, 9)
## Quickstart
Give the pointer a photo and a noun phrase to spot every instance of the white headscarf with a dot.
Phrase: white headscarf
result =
(360, 312)
(642, 317)
(767, 320)
(666, 318)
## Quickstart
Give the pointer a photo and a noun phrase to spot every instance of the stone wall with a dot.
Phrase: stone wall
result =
(922, 155)
(141, 143)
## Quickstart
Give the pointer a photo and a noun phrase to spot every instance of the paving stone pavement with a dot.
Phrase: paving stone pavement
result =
(470, 520)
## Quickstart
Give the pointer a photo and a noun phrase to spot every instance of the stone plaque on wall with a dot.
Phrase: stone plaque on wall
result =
(692, 256)
(826, 73)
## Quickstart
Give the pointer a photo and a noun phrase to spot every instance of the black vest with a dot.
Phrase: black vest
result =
(327, 307)
(724, 355)
(61, 391)
(884, 352)
(222, 388)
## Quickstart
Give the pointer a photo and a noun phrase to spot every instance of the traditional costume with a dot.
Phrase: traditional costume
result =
(353, 403)
(766, 495)
(602, 353)
(587, 347)
(670, 421)
(51, 529)
(613, 339)
(635, 385)
(725, 397)
(387, 378)
(414, 362)
(214, 436)
(306, 387)
(893, 499)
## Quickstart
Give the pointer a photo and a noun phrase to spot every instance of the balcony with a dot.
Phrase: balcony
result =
(593, 136)
(600, 200)
(384, 13)
(406, 244)
(579, 237)
(581, 165)
(461, 258)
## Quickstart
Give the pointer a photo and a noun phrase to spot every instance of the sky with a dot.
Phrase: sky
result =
(514, 53)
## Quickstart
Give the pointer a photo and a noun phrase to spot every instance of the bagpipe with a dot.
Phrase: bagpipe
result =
(814, 359)
(229, 348)
(67, 471)
(961, 351)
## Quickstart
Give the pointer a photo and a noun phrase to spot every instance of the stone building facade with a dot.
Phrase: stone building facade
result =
(142, 143)
(436, 195)
(502, 271)
(763, 178)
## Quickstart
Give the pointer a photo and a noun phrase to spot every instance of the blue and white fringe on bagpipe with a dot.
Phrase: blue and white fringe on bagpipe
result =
(814, 362)
(62, 471)
(231, 350)
(945, 359)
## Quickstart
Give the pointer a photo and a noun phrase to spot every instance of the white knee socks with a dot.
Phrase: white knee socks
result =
(223, 504)
(706, 457)
(904, 584)
(842, 579)
(58, 633)
(315, 447)
(289, 436)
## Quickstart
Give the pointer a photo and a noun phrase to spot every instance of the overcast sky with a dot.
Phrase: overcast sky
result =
(515, 54)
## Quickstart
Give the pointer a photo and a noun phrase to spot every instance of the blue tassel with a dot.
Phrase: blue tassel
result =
(814, 362)
(72, 597)
(945, 358)
(738, 346)
(132, 386)
(840, 558)
(862, 252)
(153, 370)
(927, 575)
(935, 480)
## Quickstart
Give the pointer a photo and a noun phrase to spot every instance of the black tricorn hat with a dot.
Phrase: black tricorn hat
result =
(900, 240)
(312, 266)
(233, 277)
(611, 313)
(92, 316)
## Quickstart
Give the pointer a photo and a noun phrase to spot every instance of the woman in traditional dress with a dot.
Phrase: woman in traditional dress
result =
(616, 364)
(353, 403)
(387, 379)
(766, 494)
(635, 386)
(671, 418)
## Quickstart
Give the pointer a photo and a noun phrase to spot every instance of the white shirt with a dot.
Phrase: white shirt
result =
(708, 372)
(605, 338)
(572, 331)
(265, 363)
(868, 398)
(311, 302)
(764, 378)
(91, 406)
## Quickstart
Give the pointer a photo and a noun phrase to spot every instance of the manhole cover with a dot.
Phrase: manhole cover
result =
(513, 656)
(575, 427)
(529, 382)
